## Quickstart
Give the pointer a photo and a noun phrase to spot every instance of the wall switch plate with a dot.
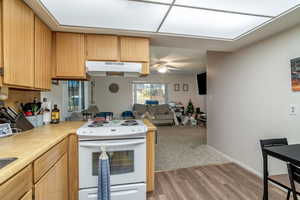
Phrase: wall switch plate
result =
(293, 110)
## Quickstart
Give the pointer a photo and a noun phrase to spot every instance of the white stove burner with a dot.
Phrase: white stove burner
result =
(113, 129)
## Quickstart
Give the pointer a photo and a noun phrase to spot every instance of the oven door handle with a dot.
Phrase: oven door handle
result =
(110, 144)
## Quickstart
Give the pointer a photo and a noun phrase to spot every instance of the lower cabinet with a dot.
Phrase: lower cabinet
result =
(17, 186)
(27, 196)
(52, 176)
(54, 184)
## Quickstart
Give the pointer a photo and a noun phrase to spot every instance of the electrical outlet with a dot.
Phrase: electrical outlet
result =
(293, 110)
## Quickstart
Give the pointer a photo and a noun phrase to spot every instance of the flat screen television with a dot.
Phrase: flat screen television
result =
(201, 78)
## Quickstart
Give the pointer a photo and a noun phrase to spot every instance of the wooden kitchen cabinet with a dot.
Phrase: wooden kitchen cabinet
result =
(43, 52)
(134, 49)
(17, 186)
(150, 160)
(69, 56)
(102, 47)
(73, 167)
(54, 185)
(27, 196)
(47, 160)
(18, 43)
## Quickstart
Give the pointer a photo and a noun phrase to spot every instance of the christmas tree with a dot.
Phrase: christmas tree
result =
(190, 107)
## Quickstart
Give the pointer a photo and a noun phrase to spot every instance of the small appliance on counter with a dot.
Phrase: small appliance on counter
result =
(5, 130)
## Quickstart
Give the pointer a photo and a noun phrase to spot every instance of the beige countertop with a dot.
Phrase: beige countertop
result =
(29, 145)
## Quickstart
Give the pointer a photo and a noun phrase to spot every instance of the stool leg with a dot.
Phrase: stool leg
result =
(288, 195)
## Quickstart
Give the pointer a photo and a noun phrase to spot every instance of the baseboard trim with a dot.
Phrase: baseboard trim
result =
(237, 162)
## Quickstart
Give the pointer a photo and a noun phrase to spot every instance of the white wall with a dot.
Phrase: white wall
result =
(249, 94)
(123, 100)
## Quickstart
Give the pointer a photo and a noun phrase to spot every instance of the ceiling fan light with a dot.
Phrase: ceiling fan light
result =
(162, 69)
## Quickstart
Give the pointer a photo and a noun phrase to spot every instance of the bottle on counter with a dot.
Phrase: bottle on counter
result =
(55, 115)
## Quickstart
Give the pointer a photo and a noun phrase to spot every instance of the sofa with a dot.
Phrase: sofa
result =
(158, 114)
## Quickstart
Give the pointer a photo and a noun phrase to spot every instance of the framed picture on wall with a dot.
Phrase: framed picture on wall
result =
(176, 87)
(185, 87)
(295, 74)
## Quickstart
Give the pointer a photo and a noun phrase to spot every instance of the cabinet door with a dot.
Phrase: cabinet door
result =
(134, 49)
(27, 196)
(18, 43)
(54, 185)
(102, 47)
(18, 185)
(70, 56)
(43, 44)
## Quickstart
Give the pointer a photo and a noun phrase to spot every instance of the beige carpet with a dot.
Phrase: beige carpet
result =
(181, 147)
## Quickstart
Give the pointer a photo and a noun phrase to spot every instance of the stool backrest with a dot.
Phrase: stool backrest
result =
(273, 142)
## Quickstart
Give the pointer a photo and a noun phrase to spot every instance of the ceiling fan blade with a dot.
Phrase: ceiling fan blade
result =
(173, 68)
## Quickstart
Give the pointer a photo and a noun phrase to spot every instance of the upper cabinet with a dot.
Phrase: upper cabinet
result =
(70, 56)
(102, 47)
(18, 43)
(43, 53)
(134, 49)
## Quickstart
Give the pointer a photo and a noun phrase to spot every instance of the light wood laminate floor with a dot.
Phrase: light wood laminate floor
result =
(212, 182)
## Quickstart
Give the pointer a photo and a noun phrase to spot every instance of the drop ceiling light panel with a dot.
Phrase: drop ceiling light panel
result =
(206, 23)
(158, 1)
(259, 7)
(113, 14)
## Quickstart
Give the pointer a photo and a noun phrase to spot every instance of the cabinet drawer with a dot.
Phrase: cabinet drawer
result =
(46, 161)
(27, 196)
(17, 186)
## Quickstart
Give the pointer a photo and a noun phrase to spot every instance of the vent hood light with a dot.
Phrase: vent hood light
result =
(97, 68)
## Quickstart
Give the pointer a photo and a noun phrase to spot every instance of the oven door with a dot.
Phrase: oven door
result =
(127, 160)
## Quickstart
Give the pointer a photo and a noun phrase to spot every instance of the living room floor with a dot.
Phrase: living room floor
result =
(211, 182)
(184, 146)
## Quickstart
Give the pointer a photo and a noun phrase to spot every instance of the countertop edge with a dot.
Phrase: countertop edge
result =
(23, 163)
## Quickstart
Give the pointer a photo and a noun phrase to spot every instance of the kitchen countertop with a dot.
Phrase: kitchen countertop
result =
(29, 145)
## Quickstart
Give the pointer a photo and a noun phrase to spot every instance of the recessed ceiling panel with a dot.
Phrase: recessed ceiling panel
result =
(197, 22)
(114, 14)
(260, 7)
(157, 1)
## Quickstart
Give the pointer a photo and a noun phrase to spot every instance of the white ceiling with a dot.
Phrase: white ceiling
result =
(227, 19)
(185, 51)
(259, 7)
(209, 23)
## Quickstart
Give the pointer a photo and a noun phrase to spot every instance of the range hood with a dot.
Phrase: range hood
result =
(99, 68)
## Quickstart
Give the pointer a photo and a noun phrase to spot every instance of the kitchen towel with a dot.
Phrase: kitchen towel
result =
(104, 176)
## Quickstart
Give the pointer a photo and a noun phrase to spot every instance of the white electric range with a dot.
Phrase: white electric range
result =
(125, 143)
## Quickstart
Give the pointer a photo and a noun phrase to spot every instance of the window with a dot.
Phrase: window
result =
(76, 96)
(149, 91)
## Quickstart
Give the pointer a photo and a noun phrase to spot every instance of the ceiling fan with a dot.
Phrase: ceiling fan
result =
(163, 67)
